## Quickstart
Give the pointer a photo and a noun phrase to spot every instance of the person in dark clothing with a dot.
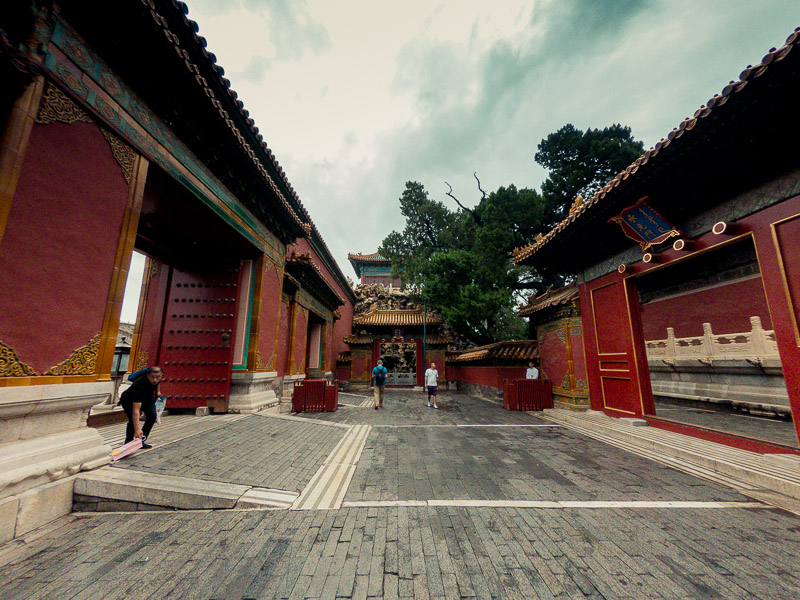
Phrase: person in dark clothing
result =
(141, 397)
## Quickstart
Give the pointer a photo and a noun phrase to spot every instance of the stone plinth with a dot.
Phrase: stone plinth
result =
(44, 440)
(287, 387)
(253, 392)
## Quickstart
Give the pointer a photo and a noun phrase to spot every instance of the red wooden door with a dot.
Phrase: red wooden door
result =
(618, 382)
(197, 343)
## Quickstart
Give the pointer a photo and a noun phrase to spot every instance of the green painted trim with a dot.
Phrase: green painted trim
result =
(249, 318)
(129, 110)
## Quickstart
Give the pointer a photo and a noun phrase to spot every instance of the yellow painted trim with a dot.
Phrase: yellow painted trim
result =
(784, 279)
(255, 318)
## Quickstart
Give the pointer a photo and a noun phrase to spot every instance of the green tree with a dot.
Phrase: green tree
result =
(579, 163)
(460, 261)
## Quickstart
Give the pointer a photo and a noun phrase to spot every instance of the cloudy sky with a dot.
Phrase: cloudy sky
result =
(356, 97)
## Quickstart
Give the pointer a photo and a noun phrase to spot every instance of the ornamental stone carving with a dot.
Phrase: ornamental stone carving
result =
(81, 362)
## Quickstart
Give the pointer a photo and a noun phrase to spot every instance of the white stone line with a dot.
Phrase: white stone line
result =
(328, 486)
(114, 435)
(560, 504)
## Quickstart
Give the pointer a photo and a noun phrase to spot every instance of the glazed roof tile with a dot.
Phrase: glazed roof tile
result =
(510, 350)
(191, 29)
(397, 318)
(711, 108)
(557, 297)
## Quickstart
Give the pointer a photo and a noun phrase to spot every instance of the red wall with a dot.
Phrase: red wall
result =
(270, 305)
(488, 376)
(553, 357)
(60, 243)
(300, 338)
(343, 326)
(282, 361)
(727, 307)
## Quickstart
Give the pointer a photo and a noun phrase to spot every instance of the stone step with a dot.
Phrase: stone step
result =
(742, 466)
(111, 488)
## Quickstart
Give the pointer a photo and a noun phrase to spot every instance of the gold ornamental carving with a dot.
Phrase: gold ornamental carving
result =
(154, 268)
(56, 107)
(123, 154)
(271, 364)
(81, 362)
(142, 360)
(260, 362)
(11, 365)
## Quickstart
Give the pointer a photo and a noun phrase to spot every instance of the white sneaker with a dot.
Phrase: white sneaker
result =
(434, 406)
(429, 404)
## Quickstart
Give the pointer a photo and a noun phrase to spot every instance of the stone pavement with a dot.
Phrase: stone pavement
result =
(466, 502)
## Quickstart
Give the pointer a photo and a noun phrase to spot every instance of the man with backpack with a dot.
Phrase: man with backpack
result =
(379, 381)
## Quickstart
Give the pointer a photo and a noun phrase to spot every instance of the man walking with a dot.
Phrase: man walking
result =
(431, 375)
(379, 381)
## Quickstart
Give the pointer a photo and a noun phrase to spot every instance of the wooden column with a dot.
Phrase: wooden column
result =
(13, 144)
(255, 318)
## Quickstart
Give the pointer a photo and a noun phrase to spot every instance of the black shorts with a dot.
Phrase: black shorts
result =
(432, 390)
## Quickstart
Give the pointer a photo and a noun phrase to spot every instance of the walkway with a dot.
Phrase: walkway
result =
(468, 501)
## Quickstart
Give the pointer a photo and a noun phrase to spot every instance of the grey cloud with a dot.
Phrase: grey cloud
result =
(255, 70)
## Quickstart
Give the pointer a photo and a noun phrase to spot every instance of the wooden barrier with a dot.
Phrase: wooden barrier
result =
(315, 395)
(527, 394)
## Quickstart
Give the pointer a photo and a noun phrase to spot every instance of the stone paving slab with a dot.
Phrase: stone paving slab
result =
(255, 450)
(442, 552)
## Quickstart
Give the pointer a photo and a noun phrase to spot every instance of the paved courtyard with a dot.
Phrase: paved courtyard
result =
(468, 501)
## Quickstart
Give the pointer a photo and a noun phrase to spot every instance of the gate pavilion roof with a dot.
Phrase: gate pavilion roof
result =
(361, 260)
(551, 298)
(397, 318)
(521, 350)
(740, 138)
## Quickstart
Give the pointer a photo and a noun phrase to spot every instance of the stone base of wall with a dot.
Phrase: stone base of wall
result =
(43, 442)
(253, 392)
(287, 387)
(22, 513)
(739, 384)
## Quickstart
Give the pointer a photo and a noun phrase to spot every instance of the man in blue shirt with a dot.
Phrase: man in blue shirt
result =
(379, 381)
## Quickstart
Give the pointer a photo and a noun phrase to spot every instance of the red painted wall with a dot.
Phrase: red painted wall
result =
(282, 360)
(343, 372)
(270, 307)
(727, 307)
(343, 326)
(58, 251)
(382, 279)
(579, 359)
(553, 358)
(300, 338)
(487, 376)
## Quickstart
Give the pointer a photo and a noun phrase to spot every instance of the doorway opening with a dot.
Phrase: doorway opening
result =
(711, 350)
(400, 359)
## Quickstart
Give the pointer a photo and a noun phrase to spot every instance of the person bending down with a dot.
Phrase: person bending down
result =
(431, 375)
(141, 397)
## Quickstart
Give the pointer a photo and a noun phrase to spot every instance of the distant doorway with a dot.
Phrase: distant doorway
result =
(400, 359)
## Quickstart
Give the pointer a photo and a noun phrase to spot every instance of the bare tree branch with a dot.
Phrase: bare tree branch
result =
(475, 174)
(470, 211)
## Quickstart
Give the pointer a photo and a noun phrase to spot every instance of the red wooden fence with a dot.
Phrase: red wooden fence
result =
(315, 395)
(527, 394)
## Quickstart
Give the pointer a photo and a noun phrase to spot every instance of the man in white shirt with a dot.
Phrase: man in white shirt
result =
(532, 372)
(431, 375)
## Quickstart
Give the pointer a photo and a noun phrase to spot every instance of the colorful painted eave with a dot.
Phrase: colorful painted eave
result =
(710, 109)
(510, 350)
(557, 297)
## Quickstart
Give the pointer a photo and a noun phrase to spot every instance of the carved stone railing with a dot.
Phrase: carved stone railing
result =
(755, 346)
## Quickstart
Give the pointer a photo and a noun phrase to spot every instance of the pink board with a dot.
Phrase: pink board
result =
(126, 449)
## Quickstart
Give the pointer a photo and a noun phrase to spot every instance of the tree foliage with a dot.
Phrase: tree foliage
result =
(579, 163)
(460, 261)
